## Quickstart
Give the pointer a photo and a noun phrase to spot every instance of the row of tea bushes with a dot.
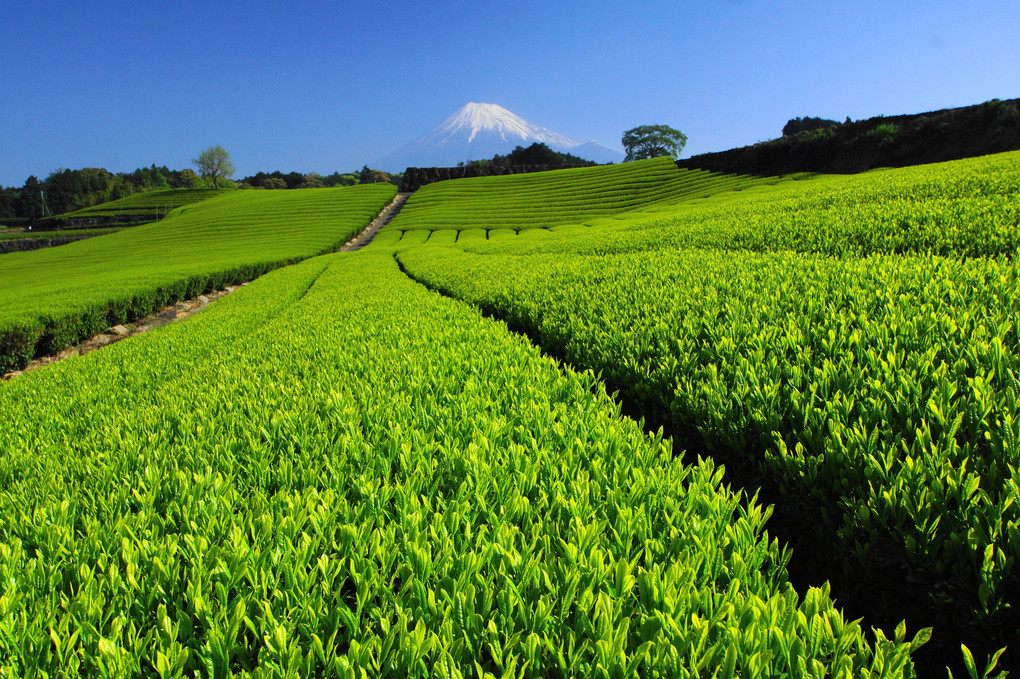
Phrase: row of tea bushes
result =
(968, 208)
(878, 395)
(301, 481)
(50, 299)
(546, 199)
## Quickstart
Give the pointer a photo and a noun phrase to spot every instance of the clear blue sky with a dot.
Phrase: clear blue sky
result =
(324, 86)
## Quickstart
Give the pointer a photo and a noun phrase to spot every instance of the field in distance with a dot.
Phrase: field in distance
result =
(51, 298)
(847, 343)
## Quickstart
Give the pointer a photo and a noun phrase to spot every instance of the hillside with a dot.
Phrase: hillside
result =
(845, 345)
(124, 275)
(621, 420)
(884, 141)
(146, 202)
(548, 199)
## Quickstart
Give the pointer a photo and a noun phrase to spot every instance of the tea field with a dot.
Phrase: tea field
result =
(160, 201)
(50, 299)
(548, 199)
(408, 460)
(305, 482)
(798, 333)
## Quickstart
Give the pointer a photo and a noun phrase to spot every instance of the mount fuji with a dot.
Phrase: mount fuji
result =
(480, 131)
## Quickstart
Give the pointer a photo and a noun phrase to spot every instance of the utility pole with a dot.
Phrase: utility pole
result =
(45, 207)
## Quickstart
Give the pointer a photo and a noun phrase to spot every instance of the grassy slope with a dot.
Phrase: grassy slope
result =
(53, 297)
(547, 199)
(76, 233)
(148, 202)
(967, 207)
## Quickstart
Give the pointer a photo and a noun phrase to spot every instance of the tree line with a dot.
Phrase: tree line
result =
(66, 190)
(314, 180)
(811, 144)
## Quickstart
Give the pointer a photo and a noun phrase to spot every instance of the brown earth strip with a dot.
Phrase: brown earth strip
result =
(384, 218)
(164, 316)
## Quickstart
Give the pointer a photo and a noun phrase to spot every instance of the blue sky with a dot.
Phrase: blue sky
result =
(324, 86)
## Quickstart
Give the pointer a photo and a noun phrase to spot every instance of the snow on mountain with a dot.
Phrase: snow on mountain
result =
(491, 120)
(480, 131)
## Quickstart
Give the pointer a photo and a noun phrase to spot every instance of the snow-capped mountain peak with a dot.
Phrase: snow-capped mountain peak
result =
(480, 131)
(474, 118)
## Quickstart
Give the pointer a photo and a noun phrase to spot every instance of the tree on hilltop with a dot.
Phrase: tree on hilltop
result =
(214, 163)
(807, 124)
(652, 141)
(370, 176)
(538, 154)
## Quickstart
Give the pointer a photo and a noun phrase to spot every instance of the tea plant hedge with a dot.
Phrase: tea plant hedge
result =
(967, 208)
(50, 299)
(546, 199)
(301, 481)
(850, 344)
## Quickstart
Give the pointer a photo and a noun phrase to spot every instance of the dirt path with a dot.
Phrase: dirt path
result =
(384, 218)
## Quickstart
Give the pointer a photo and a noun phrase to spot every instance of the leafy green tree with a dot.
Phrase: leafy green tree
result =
(8, 198)
(313, 180)
(337, 179)
(214, 163)
(186, 179)
(652, 141)
(538, 154)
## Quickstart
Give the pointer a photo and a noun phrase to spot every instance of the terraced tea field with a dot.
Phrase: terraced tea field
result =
(873, 394)
(51, 298)
(104, 219)
(160, 201)
(548, 199)
(966, 208)
(305, 482)
(339, 471)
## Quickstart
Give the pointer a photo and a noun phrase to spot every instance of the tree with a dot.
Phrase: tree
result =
(214, 163)
(313, 180)
(369, 176)
(652, 141)
(807, 124)
(538, 154)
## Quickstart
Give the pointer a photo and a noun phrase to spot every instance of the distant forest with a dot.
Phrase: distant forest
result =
(314, 180)
(820, 145)
(68, 190)
(536, 158)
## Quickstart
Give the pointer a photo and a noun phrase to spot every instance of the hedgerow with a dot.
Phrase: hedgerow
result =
(304, 482)
(873, 393)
